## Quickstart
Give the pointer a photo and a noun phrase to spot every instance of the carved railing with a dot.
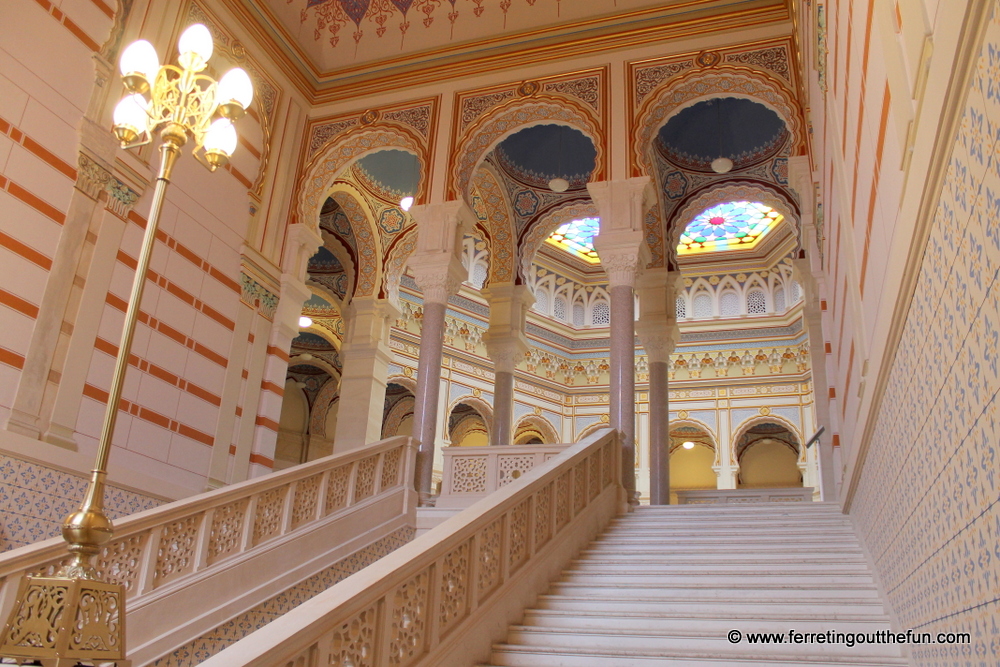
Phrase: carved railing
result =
(471, 473)
(444, 598)
(220, 552)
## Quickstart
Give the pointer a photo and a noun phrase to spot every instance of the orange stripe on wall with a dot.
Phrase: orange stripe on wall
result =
(187, 253)
(150, 416)
(262, 460)
(28, 253)
(35, 202)
(266, 423)
(11, 358)
(281, 354)
(17, 303)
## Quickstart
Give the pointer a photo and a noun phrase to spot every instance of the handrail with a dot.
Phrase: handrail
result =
(425, 602)
(164, 546)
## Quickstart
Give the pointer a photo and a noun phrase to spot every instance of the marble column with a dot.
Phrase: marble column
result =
(505, 345)
(437, 268)
(623, 253)
(659, 334)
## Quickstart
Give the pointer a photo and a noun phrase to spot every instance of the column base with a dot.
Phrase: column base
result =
(23, 424)
(61, 436)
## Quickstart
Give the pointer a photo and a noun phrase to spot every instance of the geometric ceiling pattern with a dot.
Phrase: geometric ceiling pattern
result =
(737, 225)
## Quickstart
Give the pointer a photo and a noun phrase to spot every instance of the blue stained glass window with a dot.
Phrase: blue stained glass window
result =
(730, 226)
(577, 238)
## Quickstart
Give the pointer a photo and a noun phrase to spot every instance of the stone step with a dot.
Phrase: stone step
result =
(611, 641)
(508, 655)
(688, 563)
(736, 607)
(764, 578)
(668, 549)
(690, 622)
(695, 590)
(776, 509)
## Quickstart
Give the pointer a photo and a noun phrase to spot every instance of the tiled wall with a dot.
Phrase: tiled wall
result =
(237, 628)
(928, 502)
(34, 500)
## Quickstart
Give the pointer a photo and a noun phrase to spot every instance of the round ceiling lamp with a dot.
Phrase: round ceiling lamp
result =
(405, 203)
(559, 185)
(306, 357)
(722, 165)
(305, 322)
(688, 445)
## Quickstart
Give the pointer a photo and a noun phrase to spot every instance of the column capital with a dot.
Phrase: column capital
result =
(441, 226)
(302, 242)
(623, 264)
(368, 323)
(438, 276)
(505, 351)
(294, 293)
(657, 289)
(658, 338)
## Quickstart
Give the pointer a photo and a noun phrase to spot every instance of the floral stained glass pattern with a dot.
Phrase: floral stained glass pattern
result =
(730, 226)
(577, 238)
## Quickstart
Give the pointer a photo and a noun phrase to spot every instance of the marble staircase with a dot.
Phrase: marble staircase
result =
(664, 586)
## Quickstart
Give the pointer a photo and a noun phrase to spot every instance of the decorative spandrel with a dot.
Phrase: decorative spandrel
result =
(577, 238)
(730, 226)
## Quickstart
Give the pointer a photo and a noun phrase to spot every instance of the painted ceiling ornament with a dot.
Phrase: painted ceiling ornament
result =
(528, 88)
(708, 59)
(728, 226)
(369, 117)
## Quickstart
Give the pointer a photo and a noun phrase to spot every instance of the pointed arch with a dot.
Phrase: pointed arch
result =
(501, 238)
(509, 118)
(535, 425)
(329, 163)
(748, 424)
(689, 89)
(688, 422)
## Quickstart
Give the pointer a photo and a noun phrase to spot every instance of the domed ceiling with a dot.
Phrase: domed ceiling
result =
(746, 132)
(393, 172)
(537, 154)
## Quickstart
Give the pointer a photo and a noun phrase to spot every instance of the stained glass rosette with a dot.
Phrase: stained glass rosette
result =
(730, 226)
(577, 238)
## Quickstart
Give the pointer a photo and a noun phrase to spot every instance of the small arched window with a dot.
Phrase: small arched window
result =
(578, 313)
(702, 305)
(779, 300)
(559, 309)
(729, 304)
(756, 302)
(542, 302)
(681, 308)
(601, 315)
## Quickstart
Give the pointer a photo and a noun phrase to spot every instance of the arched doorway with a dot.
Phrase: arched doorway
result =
(768, 457)
(467, 427)
(692, 457)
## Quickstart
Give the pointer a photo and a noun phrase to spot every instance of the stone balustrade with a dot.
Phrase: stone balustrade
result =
(193, 561)
(471, 473)
(445, 597)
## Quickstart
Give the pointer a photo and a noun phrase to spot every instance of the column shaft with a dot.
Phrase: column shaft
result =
(427, 393)
(622, 389)
(503, 409)
(659, 434)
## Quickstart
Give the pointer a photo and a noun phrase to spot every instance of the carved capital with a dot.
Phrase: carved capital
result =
(505, 352)
(91, 178)
(658, 338)
(623, 268)
(438, 277)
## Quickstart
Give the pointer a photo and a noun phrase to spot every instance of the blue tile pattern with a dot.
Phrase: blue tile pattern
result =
(34, 500)
(928, 503)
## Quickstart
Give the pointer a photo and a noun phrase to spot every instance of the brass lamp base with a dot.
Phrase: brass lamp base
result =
(66, 621)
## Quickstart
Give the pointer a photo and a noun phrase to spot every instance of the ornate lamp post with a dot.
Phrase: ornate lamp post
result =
(74, 617)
